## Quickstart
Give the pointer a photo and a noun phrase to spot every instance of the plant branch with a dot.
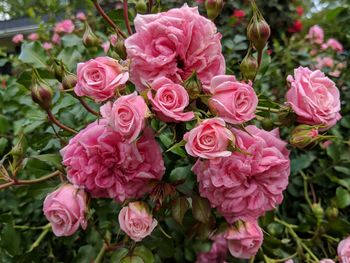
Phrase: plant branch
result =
(101, 254)
(150, 4)
(126, 16)
(40, 238)
(58, 123)
(86, 106)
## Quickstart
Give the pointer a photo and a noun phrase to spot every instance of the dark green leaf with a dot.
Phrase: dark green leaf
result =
(32, 53)
(201, 209)
(343, 197)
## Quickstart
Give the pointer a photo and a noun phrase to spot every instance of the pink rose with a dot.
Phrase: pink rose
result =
(56, 38)
(113, 39)
(100, 77)
(173, 44)
(127, 116)
(169, 101)
(316, 34)
(289, 261)
(314, 98)
(245, 239)
(327, 260)
(324, 62)
(47, 45)
(17, 39)
(136, 221)
(66, 210)
(99, 160)
(232, 100)
(246, 184)
(33, 36)
(65, 26)
(81, 16)
(217, 253)
(209, 139)
(106, 45)
(344, 250)
(335, 45)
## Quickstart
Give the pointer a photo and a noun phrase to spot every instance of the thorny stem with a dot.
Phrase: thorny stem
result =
(108, 19)
(58, 123)
(126, 16)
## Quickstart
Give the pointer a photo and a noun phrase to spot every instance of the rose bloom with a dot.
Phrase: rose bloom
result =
(81, 16)
(335, 45)
(324, 62)
(316, 34)
(17, 38)
(66, 210)
(169, 101)
(314, 98)
(100, 77)
(244, 239)
(217, 253)
(56, 39)
(248, 183)
(344, 250)
(33, 36)
(327, 260)
(127, 115)
(136, 221)
(296, 27)
(209, 139)
(233, 101)
(173, 44)
(99, 160)
(47, 45)
(65, 26)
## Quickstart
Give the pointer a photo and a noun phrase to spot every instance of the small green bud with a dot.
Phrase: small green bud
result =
(213, 8)
(304, 136)
(318, 211)
(258, 32)
(193, 86)
(249, 67)
(89, 37)
(267, 124)
(69, 81)
(141, 6)
(41, 94)
(332, 212)
(120, 49)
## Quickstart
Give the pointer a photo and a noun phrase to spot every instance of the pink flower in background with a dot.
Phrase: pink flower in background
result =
(136, 221)
(246, 185)
(299, 10)
(100, 77)
(344, 250)
(314, 98)
(113, 39)
(244, 239)
(106, 45)
(327, 260)
(81, 16)
(65, 26)
(324, 62)
(47, 45)
(100, 161)
(66, 210)
(56, 39)
(232, 100)
(169, 101)
(128, 116)
(289, 261)
(217, 253)
(173, 44)
(316, 34)
(33, 36)
(335, 45)
(17, 39)
(209, 140)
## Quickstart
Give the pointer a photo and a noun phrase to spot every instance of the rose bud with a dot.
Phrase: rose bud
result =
(89, 38)
(136, 221)
(69, 81)
(244, 239)
(304, 136)
(193, 86)
(213, 8)
(120, 49)
(42, 94)
(66, 210)
(249, 67)
(332, 212)
(318, 211)
(258, 33)
(141, 6)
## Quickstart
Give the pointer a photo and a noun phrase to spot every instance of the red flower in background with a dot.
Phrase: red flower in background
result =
(238, 13)
(296, 27)
(299, 10)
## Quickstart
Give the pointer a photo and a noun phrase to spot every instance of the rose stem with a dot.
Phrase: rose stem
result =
(126, 16)
(150, 4)
(86, 106)
(59, 124)
(108, 19)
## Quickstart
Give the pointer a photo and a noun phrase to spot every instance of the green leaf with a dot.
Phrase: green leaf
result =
(179, 208)
(3, 144)
(4, 124)
(53, 158)
(32, 53)
(10, 240)
(180, 173)
(166, 137)
(342, 169)
(201, 209)
(119, 255)
(301, 162)
(86, 254)
(343, 197)
(70, 57)
(132, 259)
(144, 253)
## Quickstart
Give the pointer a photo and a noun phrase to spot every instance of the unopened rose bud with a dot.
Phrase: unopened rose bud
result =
(267, 124)
(304, 136)
(57, 70)
(213, 8)
(42, 94)
(318, 211)
(120, 49)
(193, 86)
(258, 32)
(69, 81)
(89, 38)
(332, 212)
(141, 6)
(249, 67)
